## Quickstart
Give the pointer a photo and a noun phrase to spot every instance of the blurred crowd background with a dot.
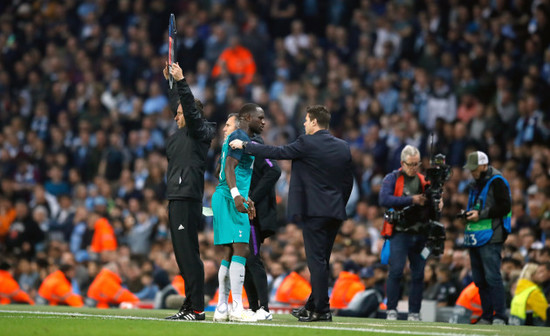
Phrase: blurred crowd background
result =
(84, 117)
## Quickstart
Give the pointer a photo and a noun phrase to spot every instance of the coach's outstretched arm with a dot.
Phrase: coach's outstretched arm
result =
(287, 152)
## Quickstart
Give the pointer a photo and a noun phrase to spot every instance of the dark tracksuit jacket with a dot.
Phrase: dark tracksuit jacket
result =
(186, 151)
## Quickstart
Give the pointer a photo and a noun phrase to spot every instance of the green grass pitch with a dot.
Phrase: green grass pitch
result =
(59, 321)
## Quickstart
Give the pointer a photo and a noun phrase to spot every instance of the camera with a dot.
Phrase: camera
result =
(462, 215)
(436, 238)
(407, 215)
(394, 217)
(437, 175)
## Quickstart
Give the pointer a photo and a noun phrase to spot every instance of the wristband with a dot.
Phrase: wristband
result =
(235, 192)
(244, 144)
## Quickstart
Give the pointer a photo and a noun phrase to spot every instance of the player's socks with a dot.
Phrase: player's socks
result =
(223, 280)
(236, 276)
(223, 309)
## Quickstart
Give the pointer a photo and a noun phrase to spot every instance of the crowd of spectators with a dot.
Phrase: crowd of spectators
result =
(84, 116)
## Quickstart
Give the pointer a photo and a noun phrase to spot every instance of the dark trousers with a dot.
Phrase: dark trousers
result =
(403, 245)
(319, 234)
(485, 261)
(185, 218)
(255, 280)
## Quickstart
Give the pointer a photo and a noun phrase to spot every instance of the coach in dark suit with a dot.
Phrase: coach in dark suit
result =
(320, 186)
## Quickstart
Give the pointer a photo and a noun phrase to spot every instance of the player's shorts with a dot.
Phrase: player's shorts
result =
(230, 225)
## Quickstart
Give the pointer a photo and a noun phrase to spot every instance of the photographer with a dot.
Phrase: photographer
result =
(404, 188)
(488, 222)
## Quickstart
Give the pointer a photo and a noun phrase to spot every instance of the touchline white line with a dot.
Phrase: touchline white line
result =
(452, 331)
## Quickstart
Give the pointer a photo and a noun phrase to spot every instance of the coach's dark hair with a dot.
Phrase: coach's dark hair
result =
(319, 113)
(174, 102)
(247, 109)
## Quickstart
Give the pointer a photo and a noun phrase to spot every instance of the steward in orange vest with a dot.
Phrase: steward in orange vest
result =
(57, 288)
(179, 285)
(367, 302)
(295, 288)
(346, 286)
(106, 289)
(104, 238)
(9, 288)
(238, 61)
(7, 216)
(468, 306)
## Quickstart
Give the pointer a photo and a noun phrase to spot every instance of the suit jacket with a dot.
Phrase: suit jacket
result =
(265, 175)
(322, 178)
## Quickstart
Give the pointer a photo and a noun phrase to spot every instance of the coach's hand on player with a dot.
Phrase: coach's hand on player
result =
(251, 209)
(176, 72)
(236, 144)
(239, 204)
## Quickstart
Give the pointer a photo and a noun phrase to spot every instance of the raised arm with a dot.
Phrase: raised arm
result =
(198, 127)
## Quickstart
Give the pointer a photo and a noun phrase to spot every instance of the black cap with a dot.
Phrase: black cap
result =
(351, 266)
(4, 266)
(366, 272)
(380, 267)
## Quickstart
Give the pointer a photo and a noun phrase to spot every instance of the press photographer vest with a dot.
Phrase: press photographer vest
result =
(400, 184)
(480, 233)
(388, 228)
(415, 185)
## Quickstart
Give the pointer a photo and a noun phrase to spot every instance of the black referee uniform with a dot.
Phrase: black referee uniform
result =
(186, 151)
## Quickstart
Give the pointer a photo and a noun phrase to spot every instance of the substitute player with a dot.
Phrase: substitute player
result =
(231, 215)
